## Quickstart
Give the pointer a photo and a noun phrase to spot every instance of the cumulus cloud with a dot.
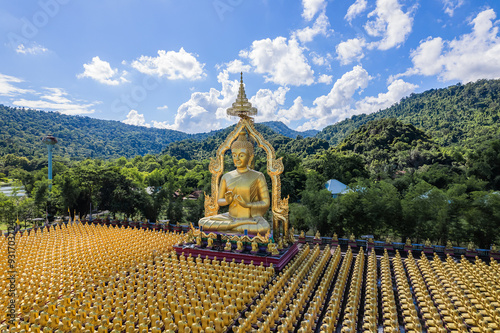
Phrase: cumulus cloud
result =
(163, 107)
(350, 50)
(205, 111)
(311, 7)
(237, 66)
(450, 6)
(7, 88)
(330, 108)
(467, 58)
(320, 27)
(320, 60)
(172, 65)
(390, 23)
(281, 60)
(355, 9)
(56, 99)
(135, 118)
(34, 49)
(395, 91)
(102, 72)
(267, 102)
(326, 79)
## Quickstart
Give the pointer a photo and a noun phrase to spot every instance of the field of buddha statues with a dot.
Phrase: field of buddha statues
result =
(94, 278)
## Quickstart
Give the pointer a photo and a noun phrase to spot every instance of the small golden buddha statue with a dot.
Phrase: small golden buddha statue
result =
(245, 192)
(302, 235)
(408, 242)
(228, 246)
(210, 242)
(239, 245)
(317, 235)
(255, 246)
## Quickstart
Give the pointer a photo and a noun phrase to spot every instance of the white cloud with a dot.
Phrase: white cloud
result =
(56, 99)
(282, 61)
(355, 9)
(350, 50)
(135, 118)
(237, 66)
(267, 102)
(102, 72)
(8, 89)
(390, 23)
(311, 7)
(173, 65)
(467, 58)
(164, 107)
(34, 49)
(320, 60)
(295, 112)
(340, 96)
(326, 79)
(320, 27)
(449, 6)
(205, 111)
(395, 91)
(330, 108)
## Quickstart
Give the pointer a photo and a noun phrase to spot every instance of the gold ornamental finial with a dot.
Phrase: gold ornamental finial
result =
(242, 107)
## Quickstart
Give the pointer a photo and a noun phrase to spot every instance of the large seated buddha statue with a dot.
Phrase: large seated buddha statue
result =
(245, 192)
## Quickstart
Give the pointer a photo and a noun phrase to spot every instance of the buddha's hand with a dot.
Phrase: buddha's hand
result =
(241, 201)
(229, 197)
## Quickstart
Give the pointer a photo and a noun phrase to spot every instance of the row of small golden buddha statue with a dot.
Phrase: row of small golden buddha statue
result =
(98, 278)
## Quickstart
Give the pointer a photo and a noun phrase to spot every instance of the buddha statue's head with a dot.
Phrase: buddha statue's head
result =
(242, 151)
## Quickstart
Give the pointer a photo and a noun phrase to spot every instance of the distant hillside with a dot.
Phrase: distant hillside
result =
(21, 131)
(282, 129)
(192, 149)
(457, 115)
(390, 144)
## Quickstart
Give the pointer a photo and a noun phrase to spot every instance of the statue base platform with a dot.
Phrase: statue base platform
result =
(302, 240)
(279, 261)
(428, 250)
(470, 253)
(495, 255)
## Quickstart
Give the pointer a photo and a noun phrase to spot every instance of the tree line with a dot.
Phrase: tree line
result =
(400, 184)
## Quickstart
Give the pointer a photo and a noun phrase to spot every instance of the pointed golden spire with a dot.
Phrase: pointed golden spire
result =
(242, 107)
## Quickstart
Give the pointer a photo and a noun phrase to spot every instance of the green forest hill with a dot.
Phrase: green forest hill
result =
(21, 131)
(458, 115)
(426, 168)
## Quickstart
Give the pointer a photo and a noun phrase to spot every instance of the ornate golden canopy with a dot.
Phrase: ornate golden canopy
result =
(279, 206)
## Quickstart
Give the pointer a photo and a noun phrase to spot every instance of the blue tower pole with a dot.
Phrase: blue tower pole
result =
(50, 167)
(50, 141)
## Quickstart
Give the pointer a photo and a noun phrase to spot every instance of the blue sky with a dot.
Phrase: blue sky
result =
(175, 64)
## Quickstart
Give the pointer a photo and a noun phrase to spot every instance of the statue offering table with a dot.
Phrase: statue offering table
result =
(335, 240)
(352, 241)
(408, 246)
(428, 249)
(302, 237)
(494, 252)
(317, 238)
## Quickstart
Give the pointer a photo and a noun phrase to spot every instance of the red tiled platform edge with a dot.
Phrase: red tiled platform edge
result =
(278, 262)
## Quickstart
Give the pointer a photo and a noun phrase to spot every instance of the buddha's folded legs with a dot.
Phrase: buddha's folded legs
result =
(224, 223)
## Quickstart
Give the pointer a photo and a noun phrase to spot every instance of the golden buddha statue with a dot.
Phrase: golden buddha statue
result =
(245, 192)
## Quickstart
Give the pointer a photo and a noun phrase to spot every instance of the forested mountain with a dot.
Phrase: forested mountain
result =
(21, 131)
(282, 129)
(192, 149)
(457, 115)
